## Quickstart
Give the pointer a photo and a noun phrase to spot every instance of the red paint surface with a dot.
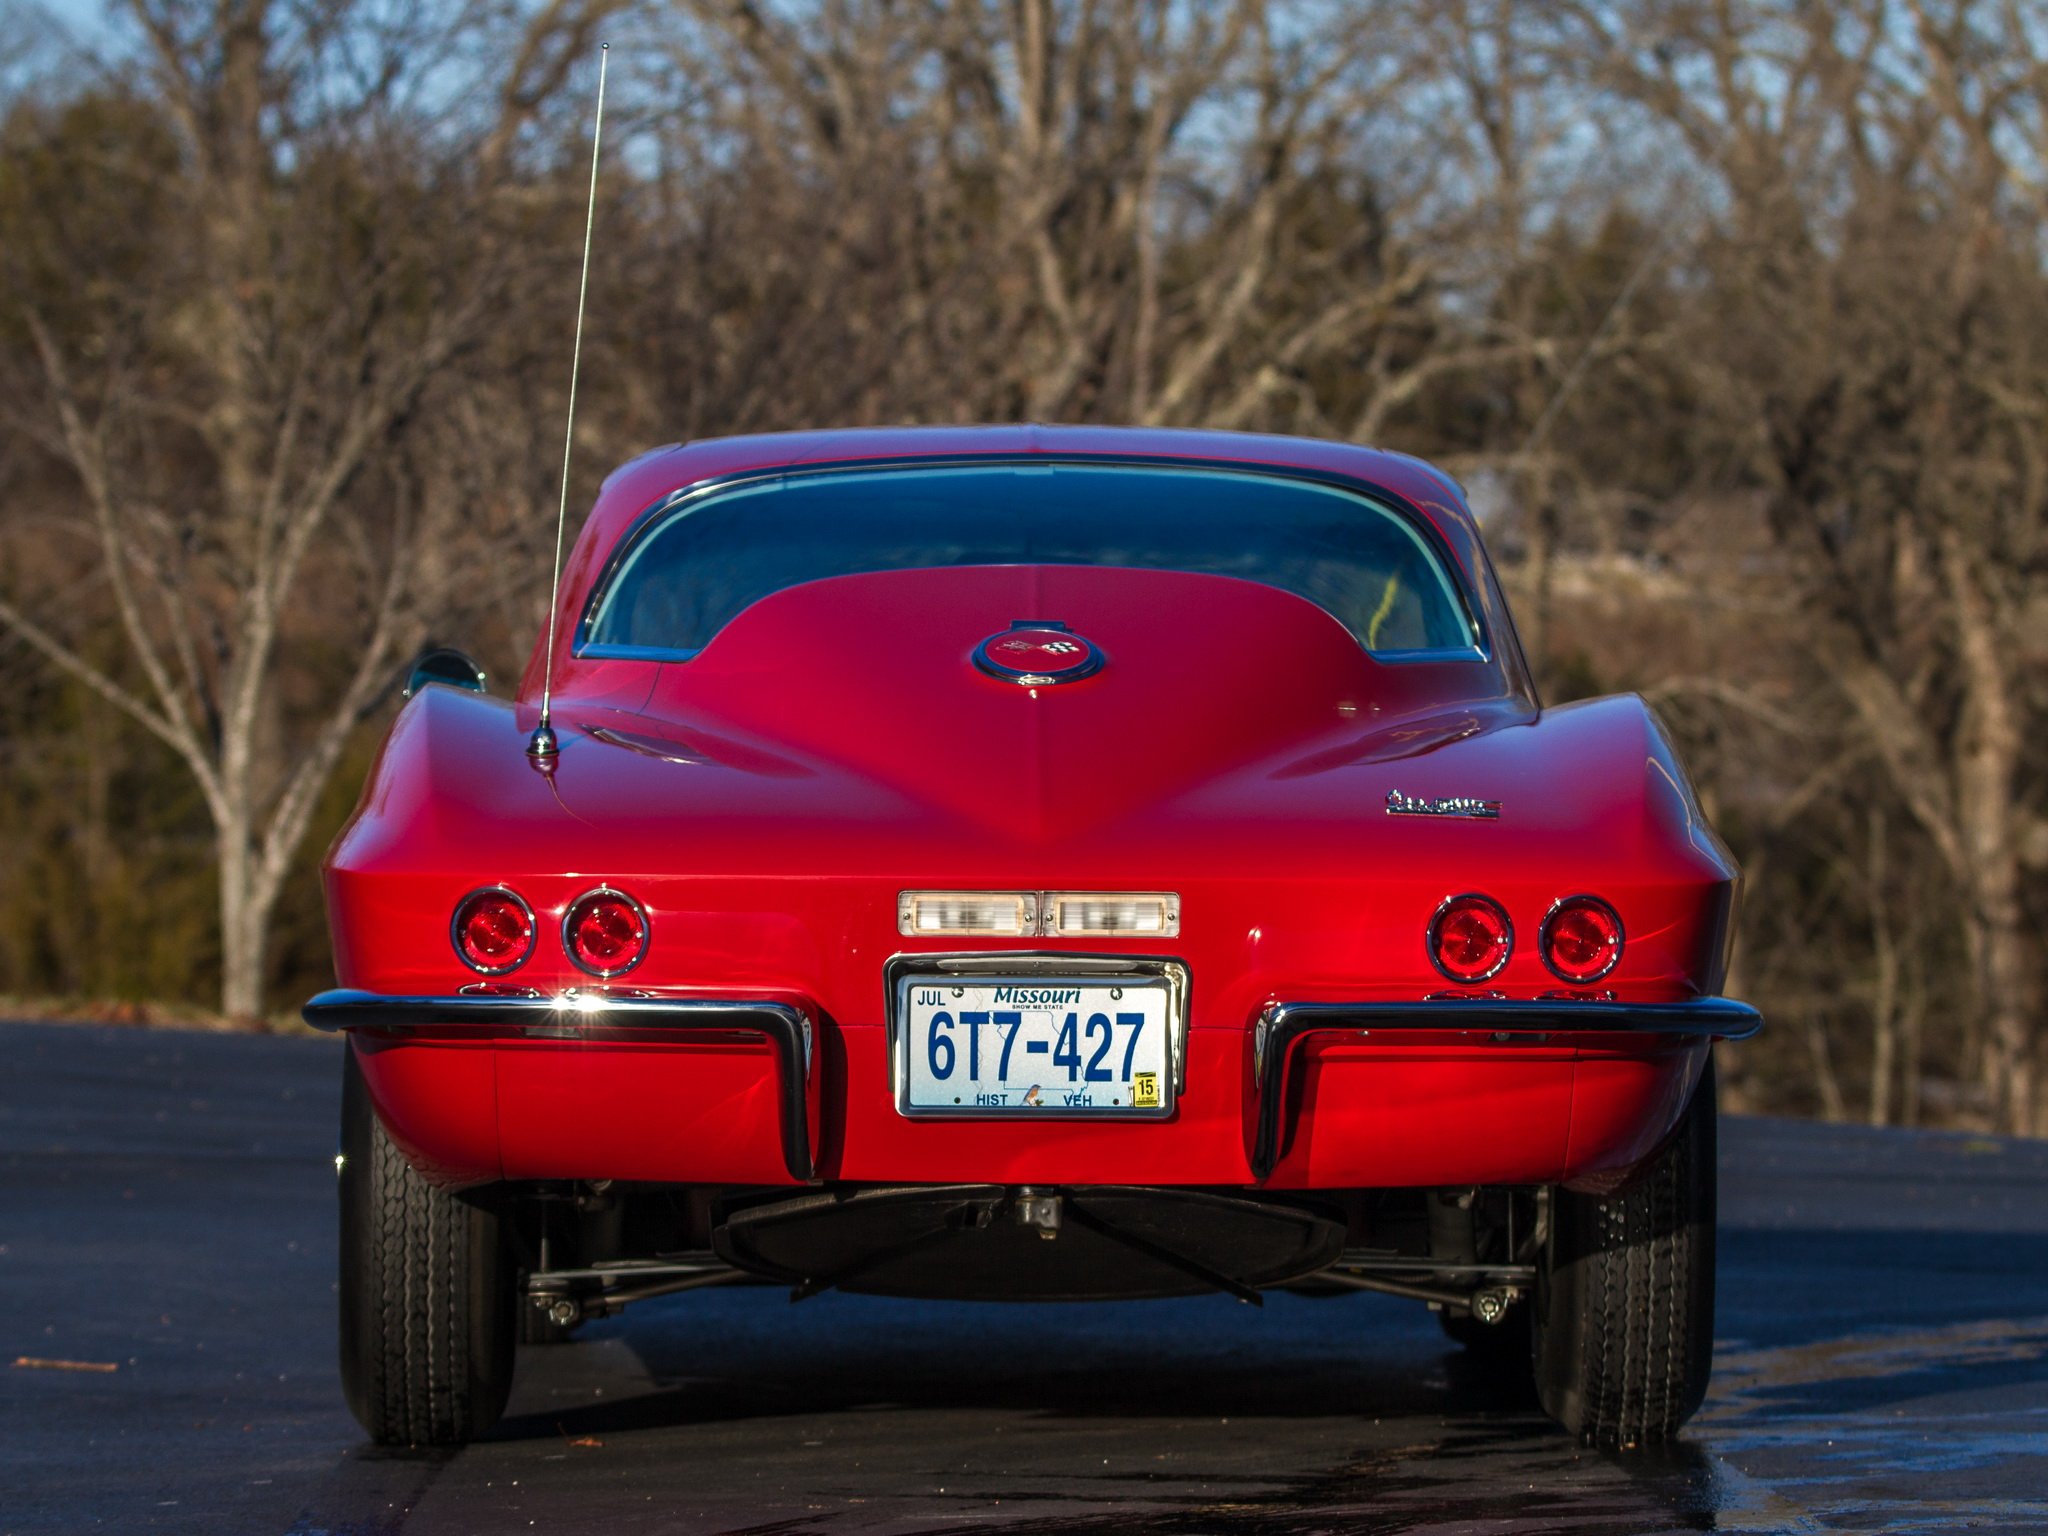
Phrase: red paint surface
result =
(765, 810)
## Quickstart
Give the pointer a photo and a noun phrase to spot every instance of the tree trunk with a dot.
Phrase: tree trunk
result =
(1987, 756)
(1532, 622)
(1884, 1048)
(1833, 1106)
(1911, 1029)
(2003, 950)
(244, 929)
(1884, 1002)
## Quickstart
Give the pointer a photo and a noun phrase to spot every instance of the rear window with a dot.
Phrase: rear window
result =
(698, 564)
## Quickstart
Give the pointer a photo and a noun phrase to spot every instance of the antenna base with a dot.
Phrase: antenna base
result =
(542, 746)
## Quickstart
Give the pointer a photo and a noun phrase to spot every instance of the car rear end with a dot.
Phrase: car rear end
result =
(1035, 928)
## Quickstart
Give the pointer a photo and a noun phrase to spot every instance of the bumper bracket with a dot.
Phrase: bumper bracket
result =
(787, 1029)
(1283, 1026)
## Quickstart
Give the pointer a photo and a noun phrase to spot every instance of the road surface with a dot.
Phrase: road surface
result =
(167, 1207)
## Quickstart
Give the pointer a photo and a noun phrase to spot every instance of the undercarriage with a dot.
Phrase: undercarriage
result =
(588, 1250)
(1603, 1297)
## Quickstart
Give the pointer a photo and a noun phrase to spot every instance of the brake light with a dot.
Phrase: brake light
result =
(493, 930)
(605, 932)
(1470, 938)
(1581, 939)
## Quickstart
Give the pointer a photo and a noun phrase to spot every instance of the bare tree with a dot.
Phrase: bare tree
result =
(1142, 211)
(1876, 338)
(248, 422)
(1733, 313)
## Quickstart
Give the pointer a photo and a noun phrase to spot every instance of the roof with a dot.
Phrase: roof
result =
(634, 487)
(639, 484)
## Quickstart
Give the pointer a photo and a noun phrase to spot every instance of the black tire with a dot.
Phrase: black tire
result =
(427, 1293)
(1624, 1313)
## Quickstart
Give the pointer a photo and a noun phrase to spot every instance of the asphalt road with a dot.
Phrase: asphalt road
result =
(166, 1207)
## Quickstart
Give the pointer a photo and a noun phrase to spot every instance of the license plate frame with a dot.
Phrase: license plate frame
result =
(904, 972)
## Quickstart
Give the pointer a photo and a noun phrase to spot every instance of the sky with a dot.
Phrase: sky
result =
(86, 21)
(76, 13)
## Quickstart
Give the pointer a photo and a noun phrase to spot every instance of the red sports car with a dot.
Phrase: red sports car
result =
(1028, 863)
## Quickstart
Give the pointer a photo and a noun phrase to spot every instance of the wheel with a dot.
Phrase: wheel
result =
(427, 1293)
(1624, 1305)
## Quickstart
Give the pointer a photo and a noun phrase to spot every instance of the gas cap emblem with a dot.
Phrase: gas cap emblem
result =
(1038, 653)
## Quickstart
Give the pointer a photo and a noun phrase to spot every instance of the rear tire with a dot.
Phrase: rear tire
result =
(1624, 1306)
(427, 1293)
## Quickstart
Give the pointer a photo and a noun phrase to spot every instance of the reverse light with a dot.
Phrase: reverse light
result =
(605, 932)
(995, 914)
(1581, 939)
(492, 930)
(1470, 938)
(1087, 915)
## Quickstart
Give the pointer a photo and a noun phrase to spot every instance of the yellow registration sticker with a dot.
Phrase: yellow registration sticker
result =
(1145, 1090)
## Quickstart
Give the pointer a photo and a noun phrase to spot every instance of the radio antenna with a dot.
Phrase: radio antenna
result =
(542, 746)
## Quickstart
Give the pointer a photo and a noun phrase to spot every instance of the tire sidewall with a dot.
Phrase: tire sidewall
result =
(376, 1301)
(1576, 1295)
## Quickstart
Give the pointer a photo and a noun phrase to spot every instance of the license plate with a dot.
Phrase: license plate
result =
(1035, 1046)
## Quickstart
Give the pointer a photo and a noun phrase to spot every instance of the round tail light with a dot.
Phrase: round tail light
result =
(605, 932)
(493, 930)
(1470, 938)
(1581, 939)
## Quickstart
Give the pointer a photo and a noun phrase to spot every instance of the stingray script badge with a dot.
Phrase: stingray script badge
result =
(1399, 804)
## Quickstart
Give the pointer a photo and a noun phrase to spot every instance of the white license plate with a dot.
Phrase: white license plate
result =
(1035, 1046)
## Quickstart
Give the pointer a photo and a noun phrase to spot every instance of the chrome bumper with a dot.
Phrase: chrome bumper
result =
(599, 1016)
(787, 1029)
(1283, 1026)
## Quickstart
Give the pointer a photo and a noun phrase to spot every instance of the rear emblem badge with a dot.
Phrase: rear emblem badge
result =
(1399, 804)
(1038, 653)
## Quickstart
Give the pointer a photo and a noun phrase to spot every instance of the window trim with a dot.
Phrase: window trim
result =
(649, 519)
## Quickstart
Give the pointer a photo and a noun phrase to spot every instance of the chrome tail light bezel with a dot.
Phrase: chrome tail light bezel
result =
(1444, 910)
(568, 924)
(1582, 901)
(455, 929)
